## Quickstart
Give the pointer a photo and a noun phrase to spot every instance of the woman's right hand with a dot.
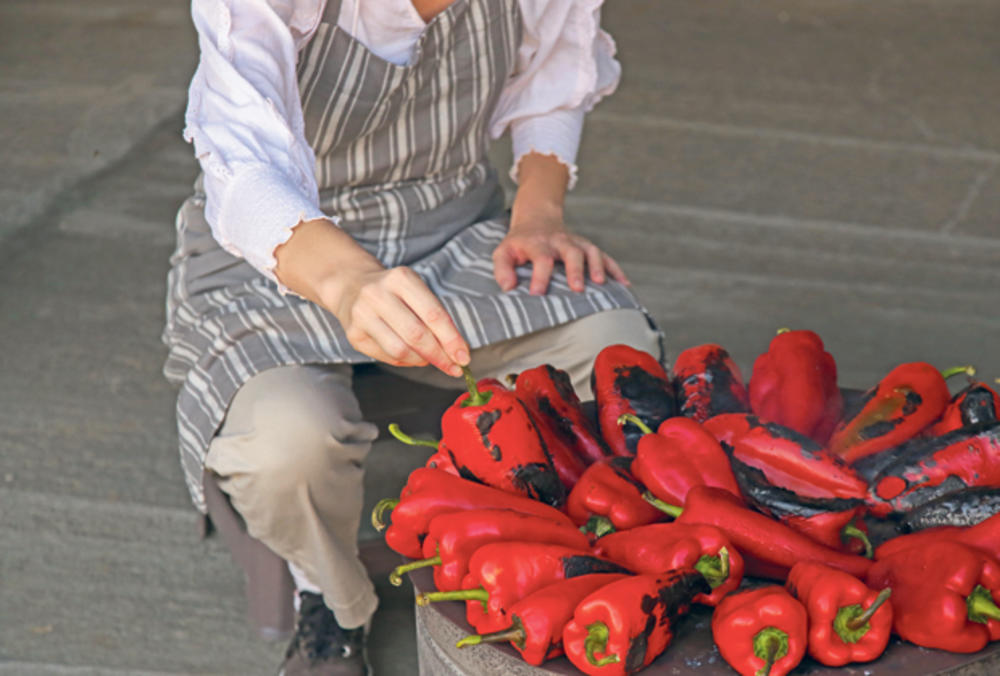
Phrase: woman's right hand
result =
(388, 314)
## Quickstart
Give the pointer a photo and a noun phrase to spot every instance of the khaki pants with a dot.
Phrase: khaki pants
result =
(290, 453)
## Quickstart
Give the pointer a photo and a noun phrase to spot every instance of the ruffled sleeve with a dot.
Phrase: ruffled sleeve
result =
(565, 65)
(245, 120)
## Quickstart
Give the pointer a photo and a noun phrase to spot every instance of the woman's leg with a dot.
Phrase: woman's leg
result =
(290, 456)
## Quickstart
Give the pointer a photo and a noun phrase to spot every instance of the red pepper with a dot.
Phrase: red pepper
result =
(453, 538)
(681, 454)
(907, 400)
(626, 380)
(623, 626)
(944, 595)
(761, 632)
(609, 491)
(794, 384)
(569, 467)
(503, 573)
(659, 547)
(440, 459)
(926, 469)
(537, 620)
(769, 548)
(795, 462)
(552, 393)
(708, 382)
(728, 427)
(976, 404)
(493, 439)
(984, 536)
(848, 622)
(429, 492)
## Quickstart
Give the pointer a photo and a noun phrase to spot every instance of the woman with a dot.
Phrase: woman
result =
(347, 213)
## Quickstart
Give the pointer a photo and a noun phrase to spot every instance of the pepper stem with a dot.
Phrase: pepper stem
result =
(596, 642)
(968, 370)
(672, 510)
(782, 330)
(635, 420)
(769, 644)
(851, 531)
(981, 607)
(477, 594)
(407, 439)
(598, 525)
(514, 633)
(476, 398)
(378, 513)
(715, 569)
(395, 577)
(863, 619)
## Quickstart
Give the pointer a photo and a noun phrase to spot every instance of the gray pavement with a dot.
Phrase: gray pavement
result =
(813, 164)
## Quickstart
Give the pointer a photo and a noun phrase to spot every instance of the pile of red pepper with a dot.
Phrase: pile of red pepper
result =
(592, 532)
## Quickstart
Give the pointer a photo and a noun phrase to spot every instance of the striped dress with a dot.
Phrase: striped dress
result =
(401, 160)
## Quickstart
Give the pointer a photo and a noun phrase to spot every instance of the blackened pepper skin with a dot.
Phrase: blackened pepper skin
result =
(966, 508)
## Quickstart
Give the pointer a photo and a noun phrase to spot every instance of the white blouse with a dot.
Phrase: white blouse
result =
(244, 114)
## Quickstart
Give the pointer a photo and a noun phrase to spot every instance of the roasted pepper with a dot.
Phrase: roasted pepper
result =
(453, 538)
(537, 620)
(965, 508)
(708, 382)
(727, 427)
(503, 573)
(627, 380)
(794, 384)
(830, 521)
(492, 438)
(623, 626)
(927, 468)
(906, 401)
(976, 404)
(429, 492)
(609, 496)
(659, 547)
(848, 622)
(681, 454)
(984, 536)
(769, 548)
(761, 632)
(944, 595)
(551, 392)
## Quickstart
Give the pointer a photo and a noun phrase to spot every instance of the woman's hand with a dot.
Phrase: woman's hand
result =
(538, 233)
(387, 314)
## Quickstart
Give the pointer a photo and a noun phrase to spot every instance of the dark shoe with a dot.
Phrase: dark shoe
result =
(321, 647)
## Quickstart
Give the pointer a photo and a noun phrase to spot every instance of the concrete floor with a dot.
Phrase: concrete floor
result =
(813, 164)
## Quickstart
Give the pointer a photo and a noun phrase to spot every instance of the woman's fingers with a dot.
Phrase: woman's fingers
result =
(573, 261)
(615, 270)
(504, 262)
(436, 332)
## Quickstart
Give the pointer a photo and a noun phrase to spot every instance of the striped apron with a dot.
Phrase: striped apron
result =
(401, 160)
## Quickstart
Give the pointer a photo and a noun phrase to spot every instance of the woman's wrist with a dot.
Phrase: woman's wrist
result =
(541, 193)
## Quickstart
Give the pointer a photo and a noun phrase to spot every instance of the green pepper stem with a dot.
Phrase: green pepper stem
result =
(672, 510)
(407, 439)
(514, 633)
(378, 513)
(851, 531)
(635, 420)
(968, 370)
(597, 641)
(715, 569)
(863, 619)
(981, 607)
(769, 644)
(477, 594)
(396, 576)
(598, 525)
(782, 330)
(476, 398)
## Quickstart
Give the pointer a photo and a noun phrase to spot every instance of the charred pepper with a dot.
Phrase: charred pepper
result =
(984, 536)
(659, 547)
(794, 384)
(944, 595)
(608, 496)
(453, 538)
(538, 620)
(848, 622)
(627, 380)
(708, 382)
(976, 404)
(965, 508)
(623, 626)
(492, 438)
(761, 632)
